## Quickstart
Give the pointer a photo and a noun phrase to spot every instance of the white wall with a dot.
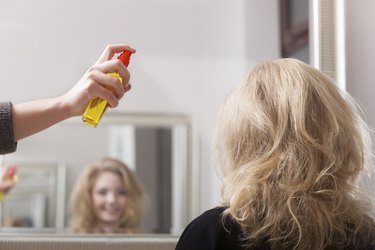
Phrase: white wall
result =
(360, 73)
(190, 54)
(361, 53)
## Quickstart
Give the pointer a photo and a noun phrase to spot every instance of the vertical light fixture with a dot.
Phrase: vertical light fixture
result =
(327, 38)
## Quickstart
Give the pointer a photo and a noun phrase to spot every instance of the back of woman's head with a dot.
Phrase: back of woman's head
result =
(291, 147)
(83, 217)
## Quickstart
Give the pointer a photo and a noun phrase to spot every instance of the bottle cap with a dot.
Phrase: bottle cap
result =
(124, 57)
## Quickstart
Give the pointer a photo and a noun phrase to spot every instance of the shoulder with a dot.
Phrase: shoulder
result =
(209, 221)
(210, 217)
(207, 231)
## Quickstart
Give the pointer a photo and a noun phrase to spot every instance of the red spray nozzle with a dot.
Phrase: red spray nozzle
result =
(124, 57)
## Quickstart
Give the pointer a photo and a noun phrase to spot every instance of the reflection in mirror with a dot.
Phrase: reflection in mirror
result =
(155, 147)
(294, 19)
(107, 198)
(37, 199)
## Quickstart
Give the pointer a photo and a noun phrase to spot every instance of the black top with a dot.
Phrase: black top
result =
(207, 232)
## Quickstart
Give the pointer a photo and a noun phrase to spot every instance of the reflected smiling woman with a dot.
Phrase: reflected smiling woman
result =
(107, 198)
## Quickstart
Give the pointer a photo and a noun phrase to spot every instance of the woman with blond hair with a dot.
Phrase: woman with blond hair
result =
(107, 198)
(291, 147)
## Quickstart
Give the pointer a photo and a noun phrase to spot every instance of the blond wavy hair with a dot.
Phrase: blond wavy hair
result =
(291, 147)
(83, 215)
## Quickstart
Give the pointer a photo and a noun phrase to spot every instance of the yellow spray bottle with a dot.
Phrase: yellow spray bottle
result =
(95, 109)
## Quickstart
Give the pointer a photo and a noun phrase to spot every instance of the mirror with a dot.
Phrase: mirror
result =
(155, 147)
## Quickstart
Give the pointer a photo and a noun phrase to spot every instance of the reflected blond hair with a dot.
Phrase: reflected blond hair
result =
(291, 146)
(83, 215)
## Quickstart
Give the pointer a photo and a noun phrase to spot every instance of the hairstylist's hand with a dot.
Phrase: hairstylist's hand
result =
(94, 82)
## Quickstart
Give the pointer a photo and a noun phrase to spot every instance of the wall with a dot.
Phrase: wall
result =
(190, 54)
(360, 54)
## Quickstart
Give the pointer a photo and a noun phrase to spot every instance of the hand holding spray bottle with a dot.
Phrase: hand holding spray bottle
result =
(97, 106)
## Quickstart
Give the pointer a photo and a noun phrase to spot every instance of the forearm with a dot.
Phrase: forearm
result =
(35, 116)
(32, 117)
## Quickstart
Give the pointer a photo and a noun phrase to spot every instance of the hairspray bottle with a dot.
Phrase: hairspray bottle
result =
(97, 106)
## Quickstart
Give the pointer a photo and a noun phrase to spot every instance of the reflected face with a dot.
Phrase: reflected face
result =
(108, 197)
